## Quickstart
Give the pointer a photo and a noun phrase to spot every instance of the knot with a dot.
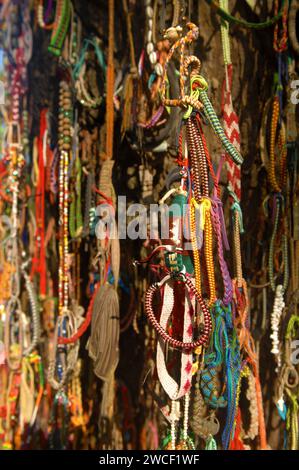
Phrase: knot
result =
(233, 195)
(197, 85)
(205, 207)
(216, 202)
(200, 82)
(195, 203)
(173, 34)
(237, 208)
(193, 32)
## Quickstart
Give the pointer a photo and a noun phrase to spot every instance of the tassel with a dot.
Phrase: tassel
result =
(236, 443)
(127, 121)
(232, 379)
(107, 403)
(115, 256)
(26, 394)
(211, 444)
(128, 106)
(107, 196)
(102, 345)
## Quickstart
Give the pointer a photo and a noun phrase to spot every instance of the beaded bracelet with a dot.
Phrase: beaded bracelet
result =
(61, 24)
(34, 312)
(70, 351)
(79, 72)
(13, 351)
(153, 320)
(40, 16)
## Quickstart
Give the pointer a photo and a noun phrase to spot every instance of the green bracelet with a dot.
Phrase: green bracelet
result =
(246, 24)
(214, 121)
(60, 33)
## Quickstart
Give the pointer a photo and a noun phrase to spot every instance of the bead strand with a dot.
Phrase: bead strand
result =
(186, 416)
(64, 143)
(150, 47)
(274, 123)
(275, 322)
(237, 247)
(191, 135)
(173, 420)
(34, 312)
(40, 17)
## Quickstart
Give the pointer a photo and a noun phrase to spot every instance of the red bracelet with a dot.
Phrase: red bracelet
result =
(84, 326)
(166, 337)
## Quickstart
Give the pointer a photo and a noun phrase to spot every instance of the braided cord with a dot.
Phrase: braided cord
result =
(110, 78)
(259, 397)
(223, 351)
(195, 250)
(216, 126)
(232, 19)
(225, 35)
(208, 158)
(196, 176)
(280, 44)
(208, 250)
(285, 261)
(80, 63)
(274, 123)
(233, 369)
(71, 356)
(34, 313)
(202, 163)
(227, 282)
(292, 420)
(282, 147)
(62, 20)
(76, 219)
(292, 327)
(241, 321)
(237, 247)
(79, 216)
(294, 8)
(180, 44)
(284, 251)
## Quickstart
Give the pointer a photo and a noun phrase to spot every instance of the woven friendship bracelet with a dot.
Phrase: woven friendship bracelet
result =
(171, 387)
